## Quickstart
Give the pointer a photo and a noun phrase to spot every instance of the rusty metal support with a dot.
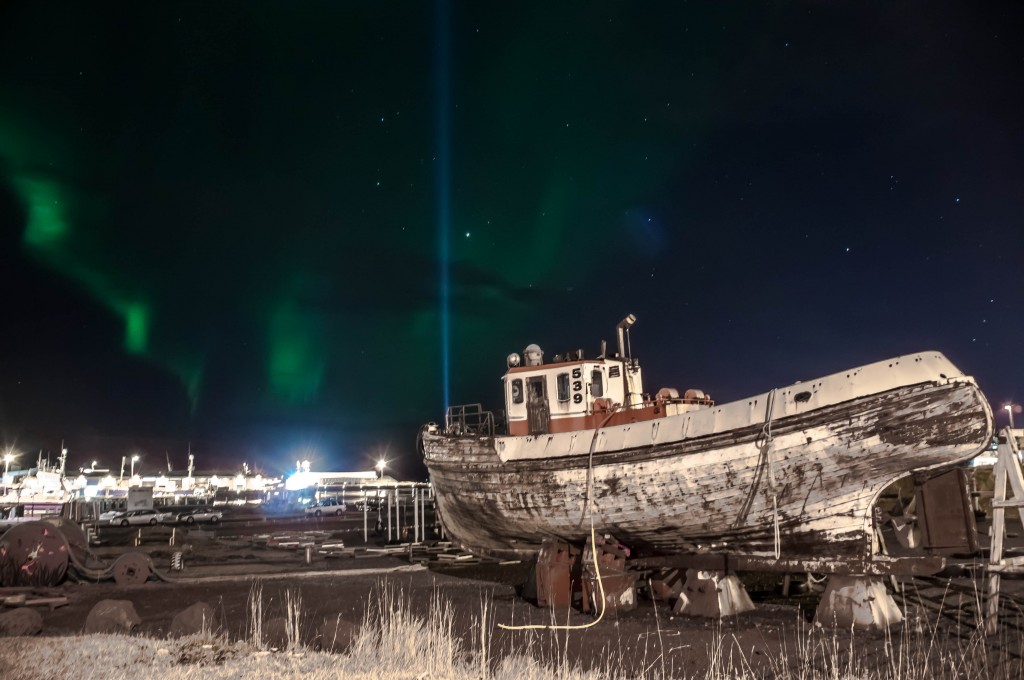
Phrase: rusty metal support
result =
(558, 574)
(618, 581)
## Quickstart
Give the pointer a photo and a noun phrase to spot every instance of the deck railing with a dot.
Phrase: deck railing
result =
(469, 420)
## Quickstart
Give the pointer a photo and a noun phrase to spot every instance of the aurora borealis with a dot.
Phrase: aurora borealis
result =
(244, 225)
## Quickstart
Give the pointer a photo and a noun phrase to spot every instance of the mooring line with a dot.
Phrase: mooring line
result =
(600, 585)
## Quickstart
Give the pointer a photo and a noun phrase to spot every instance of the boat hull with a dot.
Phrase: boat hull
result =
(812, 476)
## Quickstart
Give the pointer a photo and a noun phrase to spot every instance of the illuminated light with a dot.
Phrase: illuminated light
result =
(443, 123)
(300, 480)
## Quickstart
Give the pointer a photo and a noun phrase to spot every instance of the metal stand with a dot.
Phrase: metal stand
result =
(712, 594)
(860, 602)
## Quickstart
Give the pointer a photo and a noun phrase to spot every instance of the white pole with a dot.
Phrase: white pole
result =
(389, 516)
(415, 517)
(366, 535)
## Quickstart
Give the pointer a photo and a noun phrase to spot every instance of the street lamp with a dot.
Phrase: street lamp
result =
(135, 458)
(381, 464)
(1009, 409)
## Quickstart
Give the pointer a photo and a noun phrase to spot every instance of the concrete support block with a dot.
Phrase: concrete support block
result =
(712, 594)
(860, 602)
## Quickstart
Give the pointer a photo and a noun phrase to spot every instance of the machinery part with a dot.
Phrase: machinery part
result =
(78, 542)
(33, 554)
(617, 581)
(177, 561)
(558, 571)
(665, 584)
(132, 569)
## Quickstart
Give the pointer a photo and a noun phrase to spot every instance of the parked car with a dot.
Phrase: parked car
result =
(167, 516)
(109, 515)
(201, 515)
(327, 506)
(135, 517)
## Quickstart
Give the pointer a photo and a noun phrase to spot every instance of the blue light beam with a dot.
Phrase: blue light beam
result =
(442, 93)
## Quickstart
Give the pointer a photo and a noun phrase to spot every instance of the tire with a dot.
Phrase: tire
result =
(124, 522)
(337, 513)
(317, 513)
(190, 520)
(214, 520)
(152, 522)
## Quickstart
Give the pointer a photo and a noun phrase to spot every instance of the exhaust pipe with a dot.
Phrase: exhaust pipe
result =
(621, 331)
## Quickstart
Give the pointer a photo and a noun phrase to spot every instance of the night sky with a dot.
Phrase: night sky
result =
(244, 224)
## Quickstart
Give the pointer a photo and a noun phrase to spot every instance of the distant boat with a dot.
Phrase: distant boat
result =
(792, 472)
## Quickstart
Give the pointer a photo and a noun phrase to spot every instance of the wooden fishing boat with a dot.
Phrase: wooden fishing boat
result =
(790, 473)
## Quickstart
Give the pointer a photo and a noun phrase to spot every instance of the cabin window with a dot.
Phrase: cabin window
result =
(596, 384)
(517, 391)
(563, 387)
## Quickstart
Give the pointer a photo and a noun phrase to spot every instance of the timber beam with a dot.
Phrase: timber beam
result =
(881, 566)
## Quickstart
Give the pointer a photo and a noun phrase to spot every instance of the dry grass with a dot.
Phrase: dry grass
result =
(394, 643)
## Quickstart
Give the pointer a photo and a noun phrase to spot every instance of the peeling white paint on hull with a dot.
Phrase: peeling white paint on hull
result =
(711, 492)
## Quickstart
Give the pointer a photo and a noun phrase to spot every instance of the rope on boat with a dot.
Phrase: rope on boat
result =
(588, 511)
(772, 486)
(764, 461)
(600, 585)
(588, 507)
